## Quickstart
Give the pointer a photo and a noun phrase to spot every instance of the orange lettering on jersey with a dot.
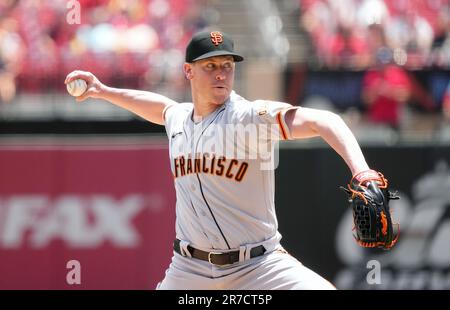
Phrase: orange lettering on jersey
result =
(197, 165)
(219, 172)
(241, 172)
(211, 169)
(176, 165)
(189, 166)
(230, 166)
(216, 38)
(182, 166)
(205, 170)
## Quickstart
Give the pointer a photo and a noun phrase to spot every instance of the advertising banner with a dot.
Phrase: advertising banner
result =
(316, 221)
(88, 215)
(85, 215)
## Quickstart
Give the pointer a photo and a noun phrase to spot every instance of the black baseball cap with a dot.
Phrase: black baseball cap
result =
(209, 44)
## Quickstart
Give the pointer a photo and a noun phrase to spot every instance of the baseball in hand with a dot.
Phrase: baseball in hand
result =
(76, 87)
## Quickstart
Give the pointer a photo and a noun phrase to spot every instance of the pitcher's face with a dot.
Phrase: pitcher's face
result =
(212, 78)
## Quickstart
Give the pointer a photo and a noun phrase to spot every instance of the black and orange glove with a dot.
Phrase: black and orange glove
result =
(369, 199)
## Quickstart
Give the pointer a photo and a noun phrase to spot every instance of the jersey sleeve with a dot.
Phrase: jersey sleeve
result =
(271, 114)
(167, 114)
(164, 112)
(174, 115)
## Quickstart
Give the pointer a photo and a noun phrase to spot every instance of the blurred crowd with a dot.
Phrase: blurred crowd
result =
(140, 44)
(134, 43)
(387, 40)
(416, 32)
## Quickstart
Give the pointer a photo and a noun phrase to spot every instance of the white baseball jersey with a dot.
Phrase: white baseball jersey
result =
(221, 167)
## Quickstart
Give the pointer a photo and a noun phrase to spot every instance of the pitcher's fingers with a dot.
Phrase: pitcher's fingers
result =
(87, 76)
(84, 96)
(90, 92)
(70, 76)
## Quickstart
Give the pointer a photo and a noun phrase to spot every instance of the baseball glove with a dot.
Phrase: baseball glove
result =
(369, 199)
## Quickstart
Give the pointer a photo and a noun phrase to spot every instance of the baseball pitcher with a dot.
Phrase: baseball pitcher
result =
(221, 149)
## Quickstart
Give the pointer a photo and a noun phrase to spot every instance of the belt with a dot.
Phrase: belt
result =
(217, 258)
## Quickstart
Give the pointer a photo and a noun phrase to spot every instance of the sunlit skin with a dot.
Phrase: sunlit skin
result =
(212, 81)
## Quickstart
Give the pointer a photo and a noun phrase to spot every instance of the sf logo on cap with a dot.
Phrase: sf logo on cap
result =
(216, 37)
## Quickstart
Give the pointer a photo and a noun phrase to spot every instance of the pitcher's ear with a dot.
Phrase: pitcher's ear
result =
(188, 71)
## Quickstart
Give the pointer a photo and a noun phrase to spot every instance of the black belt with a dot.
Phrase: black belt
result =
(217, 258)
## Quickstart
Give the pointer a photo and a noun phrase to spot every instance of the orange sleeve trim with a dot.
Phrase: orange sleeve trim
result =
(280, 124)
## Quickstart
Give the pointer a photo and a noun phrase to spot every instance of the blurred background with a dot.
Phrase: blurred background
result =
(91, 182)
